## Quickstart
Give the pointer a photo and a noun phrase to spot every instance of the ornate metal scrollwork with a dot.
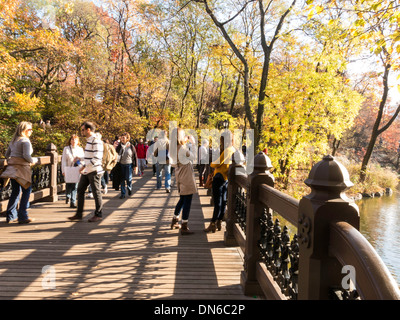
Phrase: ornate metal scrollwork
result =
(240, 208)
(5, 191)
(40, 177)
(280, 255)
(336, 293)
(40, 180)
(60, 177)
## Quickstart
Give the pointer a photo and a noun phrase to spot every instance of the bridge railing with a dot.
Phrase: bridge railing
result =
(47, 180)
(308, 249)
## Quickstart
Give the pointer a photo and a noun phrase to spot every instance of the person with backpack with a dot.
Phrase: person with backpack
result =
(127, 157)
(110, 158)
(161, 152)
(220, 181)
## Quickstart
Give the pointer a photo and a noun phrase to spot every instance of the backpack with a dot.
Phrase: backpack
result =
(110, 157)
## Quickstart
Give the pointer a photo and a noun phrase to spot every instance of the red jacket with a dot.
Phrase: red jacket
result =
(141, 151)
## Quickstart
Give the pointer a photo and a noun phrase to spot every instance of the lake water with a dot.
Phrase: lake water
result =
(380, 225)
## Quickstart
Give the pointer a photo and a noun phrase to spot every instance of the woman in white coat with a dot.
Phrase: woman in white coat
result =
(71, 152)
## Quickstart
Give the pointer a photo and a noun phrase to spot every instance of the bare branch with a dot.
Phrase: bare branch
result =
(239, 12)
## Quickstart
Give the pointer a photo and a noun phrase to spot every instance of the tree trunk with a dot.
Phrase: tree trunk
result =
(235, 94)
(375, 130)
(335, 146)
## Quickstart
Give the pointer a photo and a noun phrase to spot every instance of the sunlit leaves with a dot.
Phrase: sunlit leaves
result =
(374, 22)
(307, 102)
(25, 103)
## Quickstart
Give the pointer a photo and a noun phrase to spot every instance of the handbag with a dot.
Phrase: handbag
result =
(209, 181)
(72, 174)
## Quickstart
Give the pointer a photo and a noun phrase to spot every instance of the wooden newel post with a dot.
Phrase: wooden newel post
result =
(260, 175)
(327, 202)
(51, 151)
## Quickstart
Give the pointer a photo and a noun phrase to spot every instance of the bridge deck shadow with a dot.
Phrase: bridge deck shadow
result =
(131, 254)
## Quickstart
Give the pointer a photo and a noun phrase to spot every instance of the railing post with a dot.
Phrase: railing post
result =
(234, 170)
(260, 175)
(327, 202)
(51, 151)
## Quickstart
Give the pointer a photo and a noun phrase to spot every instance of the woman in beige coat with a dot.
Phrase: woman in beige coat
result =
(182, 161)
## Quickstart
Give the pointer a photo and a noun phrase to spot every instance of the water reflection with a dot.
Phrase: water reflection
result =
(380, 225)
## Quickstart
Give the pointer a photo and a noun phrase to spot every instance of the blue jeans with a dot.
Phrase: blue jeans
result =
(220, 191)
(183, 205)
(167, 173)
(126, 176)
(13, 202)
(70, 191)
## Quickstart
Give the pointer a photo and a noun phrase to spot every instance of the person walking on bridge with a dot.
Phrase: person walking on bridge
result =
(161, 154)
(128, 161)
(91, 172)
(71, 152)
(19, 161)
(141, 150)
(203, 160)
(220, 181)
(182, 160)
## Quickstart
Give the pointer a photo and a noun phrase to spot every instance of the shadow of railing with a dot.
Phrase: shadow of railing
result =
(131, 254)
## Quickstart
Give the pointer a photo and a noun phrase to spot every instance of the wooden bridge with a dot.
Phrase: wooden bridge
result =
(131, 254)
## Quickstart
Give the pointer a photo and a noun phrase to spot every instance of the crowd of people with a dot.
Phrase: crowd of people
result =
(89, 170)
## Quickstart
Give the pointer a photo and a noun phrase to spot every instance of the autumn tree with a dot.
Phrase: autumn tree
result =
(271, 18)
(308, 101)
(375, 24)
(355, 141)
(26, 42)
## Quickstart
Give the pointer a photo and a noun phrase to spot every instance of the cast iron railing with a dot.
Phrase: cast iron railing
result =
(309, 262)
(47, 179)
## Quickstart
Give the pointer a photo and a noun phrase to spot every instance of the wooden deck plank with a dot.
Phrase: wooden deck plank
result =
(131, 254)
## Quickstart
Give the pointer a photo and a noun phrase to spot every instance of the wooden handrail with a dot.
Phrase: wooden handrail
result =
(283, 204)
(42, 160)
(373, 279)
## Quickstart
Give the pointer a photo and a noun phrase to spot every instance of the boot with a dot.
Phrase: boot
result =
(211, 227)
(174, 223)
(219, 225)
(201, 181)
(185, 229)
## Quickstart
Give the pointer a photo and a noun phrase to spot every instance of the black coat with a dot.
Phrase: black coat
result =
(116, 176)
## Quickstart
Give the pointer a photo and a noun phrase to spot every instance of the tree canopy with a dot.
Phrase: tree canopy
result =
(277, 67)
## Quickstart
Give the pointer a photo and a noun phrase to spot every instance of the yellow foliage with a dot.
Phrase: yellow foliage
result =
(25, 103)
